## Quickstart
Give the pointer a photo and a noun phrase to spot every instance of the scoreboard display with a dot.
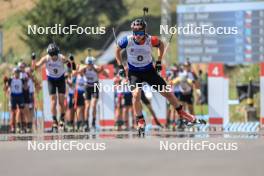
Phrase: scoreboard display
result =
(245, 45)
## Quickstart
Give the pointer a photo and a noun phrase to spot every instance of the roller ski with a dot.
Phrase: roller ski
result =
(141, 127)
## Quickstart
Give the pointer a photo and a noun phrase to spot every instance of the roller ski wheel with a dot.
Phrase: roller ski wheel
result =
(141, 127)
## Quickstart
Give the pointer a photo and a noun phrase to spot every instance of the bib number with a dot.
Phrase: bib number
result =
(140, 58)
(55, 71)
(16, 87)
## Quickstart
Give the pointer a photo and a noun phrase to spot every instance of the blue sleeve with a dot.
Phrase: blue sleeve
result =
(123, 42)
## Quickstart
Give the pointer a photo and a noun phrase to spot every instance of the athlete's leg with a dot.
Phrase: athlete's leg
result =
(125, 115)
(87, 111)
(27, 118)
(53, 104)
(175, 103)
(94, 105)
(26, 121)
(69, 116)
(190, 107)
(61, 106)
(127, 107)
(137, 106)
(61, 86)
(69, 108)
(133, 116)
(31, 112)
(79, 116)
(155, 80)
(118, 110)
(13, 107)
(168, 116)
(13, 120)
(19, 119)
(135, 82)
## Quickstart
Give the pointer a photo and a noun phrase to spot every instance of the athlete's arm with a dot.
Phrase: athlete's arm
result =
(7, 82)
(36, 65)
(156, 42)
(100, 69)
(118, 55)
(25, 85)
(69, 81)
(64, 59)
(78, 70)
(122, 44)
(36, 83)
(160, 50)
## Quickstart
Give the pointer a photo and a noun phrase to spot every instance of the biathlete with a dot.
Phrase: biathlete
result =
(54, 63)
(140, 69)
(90, 73)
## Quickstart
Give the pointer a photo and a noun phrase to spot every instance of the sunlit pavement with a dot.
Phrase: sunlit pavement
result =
(126, 154)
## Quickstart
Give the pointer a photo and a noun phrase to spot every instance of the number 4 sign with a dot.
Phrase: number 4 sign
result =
(216, 70)
(217, 95)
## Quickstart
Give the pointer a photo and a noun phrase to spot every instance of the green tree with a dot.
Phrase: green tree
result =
(82, 13)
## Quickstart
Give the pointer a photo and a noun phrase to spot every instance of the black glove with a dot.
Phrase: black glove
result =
(71, 57)
(158, 66)
(33, 56)
(121, 71)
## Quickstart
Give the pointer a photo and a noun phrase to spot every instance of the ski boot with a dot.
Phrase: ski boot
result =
(54, 128)
(85, 128)
(196, 122)
(94, 124)
(141, 124)
(18, 130)
(181, 124)
(28, 130)
(61, 126)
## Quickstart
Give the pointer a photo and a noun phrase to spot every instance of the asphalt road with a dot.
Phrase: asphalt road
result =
(129, 155)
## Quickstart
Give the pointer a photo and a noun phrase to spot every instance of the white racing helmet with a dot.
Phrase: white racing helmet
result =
(89, 60)
(15, 70)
